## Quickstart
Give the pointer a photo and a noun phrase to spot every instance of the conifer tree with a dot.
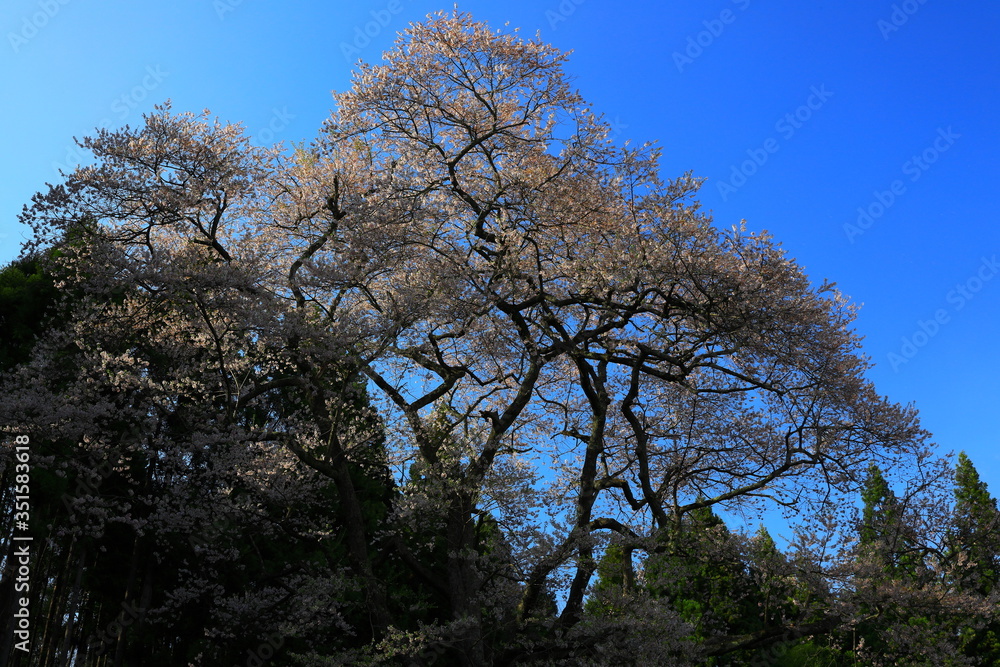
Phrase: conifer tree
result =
(974, 553)
(903, 609)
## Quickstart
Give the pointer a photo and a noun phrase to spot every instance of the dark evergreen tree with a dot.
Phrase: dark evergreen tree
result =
(27, 295)
(705, 580)
(884, 537)
(974, 553)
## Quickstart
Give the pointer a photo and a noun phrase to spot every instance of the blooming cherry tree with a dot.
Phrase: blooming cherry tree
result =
(558, 344)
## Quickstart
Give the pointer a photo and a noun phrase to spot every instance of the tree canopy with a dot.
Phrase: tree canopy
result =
(402, 387)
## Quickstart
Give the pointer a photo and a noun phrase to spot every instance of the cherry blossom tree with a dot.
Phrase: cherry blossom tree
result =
(558, 346)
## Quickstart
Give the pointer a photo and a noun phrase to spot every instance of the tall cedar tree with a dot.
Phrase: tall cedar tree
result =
(974, 544)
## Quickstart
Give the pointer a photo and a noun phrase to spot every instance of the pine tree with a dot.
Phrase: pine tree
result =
(898, 597)
(701, 571)
(885, 538)
(614, 580)
(26, 296)
(974, 550)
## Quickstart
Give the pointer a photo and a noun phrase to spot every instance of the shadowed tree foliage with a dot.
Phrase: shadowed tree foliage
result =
(27, 294)
(150, 549)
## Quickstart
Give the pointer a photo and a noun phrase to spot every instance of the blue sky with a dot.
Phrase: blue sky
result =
(862, 134)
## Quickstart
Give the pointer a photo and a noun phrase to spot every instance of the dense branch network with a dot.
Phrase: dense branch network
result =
(529, 306)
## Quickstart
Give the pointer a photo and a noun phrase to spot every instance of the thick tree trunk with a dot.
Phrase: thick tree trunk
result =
(465, 581)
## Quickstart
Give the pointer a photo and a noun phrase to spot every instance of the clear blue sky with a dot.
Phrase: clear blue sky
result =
(798, 114)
